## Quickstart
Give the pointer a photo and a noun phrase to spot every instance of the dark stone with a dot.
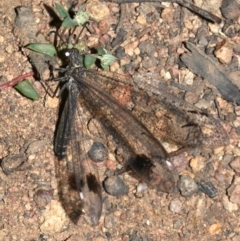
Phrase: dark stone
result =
(115, 186)
(12, 163)
(98, 152)
(208, 189)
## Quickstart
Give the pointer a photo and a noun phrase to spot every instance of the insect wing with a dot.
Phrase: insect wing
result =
(131, 132)
(71, 129)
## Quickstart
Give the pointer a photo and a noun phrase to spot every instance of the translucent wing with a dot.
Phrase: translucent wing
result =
(70, 141)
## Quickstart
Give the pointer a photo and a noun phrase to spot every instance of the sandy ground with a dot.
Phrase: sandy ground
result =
(30, 203)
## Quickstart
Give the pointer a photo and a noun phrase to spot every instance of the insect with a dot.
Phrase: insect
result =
(93, 94)
(140, 149)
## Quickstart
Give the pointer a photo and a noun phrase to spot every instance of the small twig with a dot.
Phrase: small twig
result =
(16, 80)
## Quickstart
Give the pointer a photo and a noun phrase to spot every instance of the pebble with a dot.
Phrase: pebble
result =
(203, 104)
(177, 224)
(142, 187)
(214, 28)
(141, 19)
(11, 163)
(230, 9)
(54, 218)
(188, 79)
(229, 206)
(97, 10)
(197, 163)
(208, 189)
(110, 221)
(130, 47)
(226, 160)
(224, 52)
(120, 52)
(43, 196)
(9, 49)
(98, 152)
(35, 146)
(175, 206)
(235, 164)
(234, 190)
(215, 228)
(146, 47)
(187, 186)
(115, 186)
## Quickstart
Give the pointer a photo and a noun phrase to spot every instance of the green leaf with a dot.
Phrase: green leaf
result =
(89, 60)
(44, 48)
(106, 60)
(101, 51)
(81, 17)
(27, 90)
(63, 13)
(69, 23)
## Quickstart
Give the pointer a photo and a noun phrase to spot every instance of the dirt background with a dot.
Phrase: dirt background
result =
(30, 208)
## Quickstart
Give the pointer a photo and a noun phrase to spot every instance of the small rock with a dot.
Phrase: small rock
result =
(235, 194)
(224, 52)
(175, 206)
(187, 186)
(120, 52)
(11, 163)
(110, 221)
(43, 196)
(98, 152)
(235, 164)
(177, 224)
(188, 79)
(141, 19)
(230, 9)
(35, 146)
(130, 47)
(9, 49)
(234, 191)
(214, 28)
(208, 189)
(229, 206)
(146, 47)
(97, 10)
(226, 160)
(197, 163)
(203, 104)
(55, 219)
(142, 187)
(115, 186)
(215, 228)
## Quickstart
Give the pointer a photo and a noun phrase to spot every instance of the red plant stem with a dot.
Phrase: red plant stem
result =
(16, 80)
